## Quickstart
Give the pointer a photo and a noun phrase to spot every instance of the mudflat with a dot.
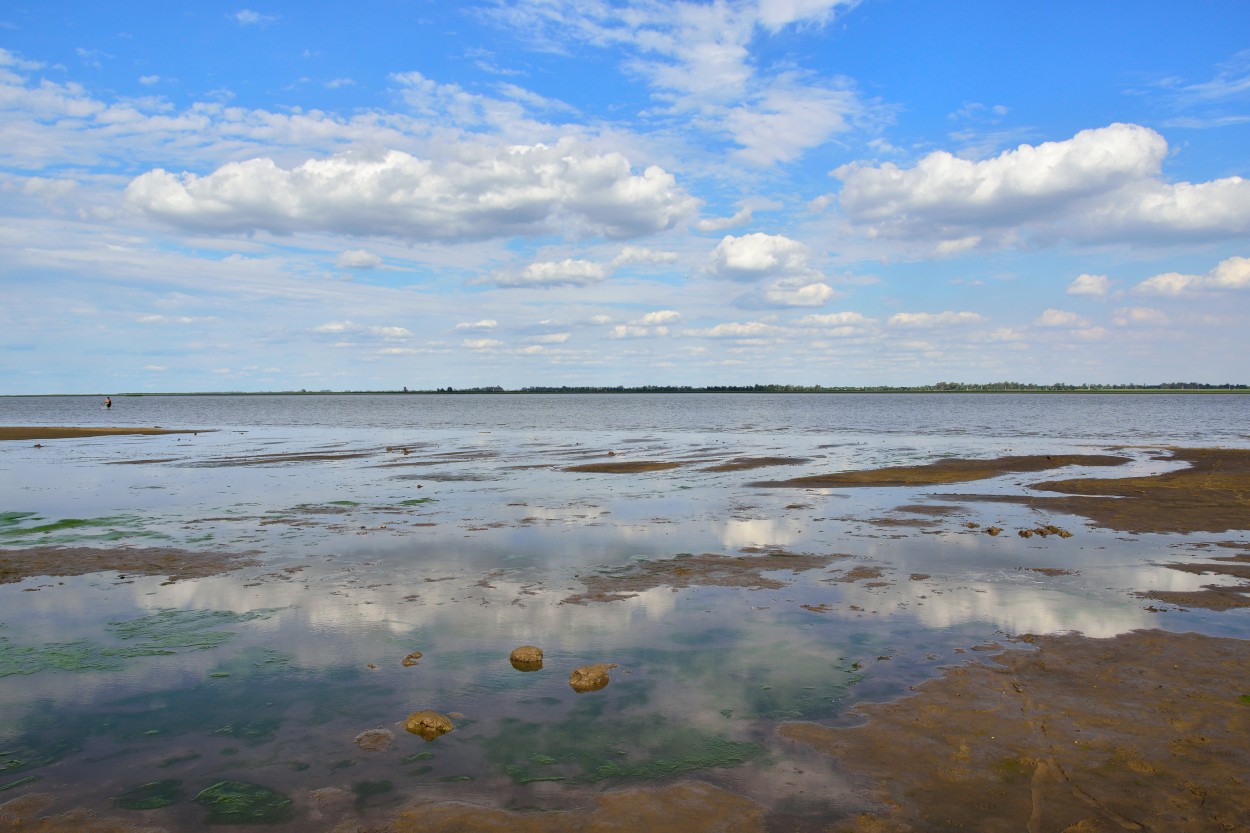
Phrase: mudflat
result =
(1145, 731)
(53, 432)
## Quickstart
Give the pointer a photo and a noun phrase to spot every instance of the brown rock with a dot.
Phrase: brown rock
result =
(527, 658)
(428, 724)
(411, 659)
(590, 677)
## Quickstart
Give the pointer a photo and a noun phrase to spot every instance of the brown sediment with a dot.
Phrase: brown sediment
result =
(950, 470)
(929, 509)
(703, 570)
(49, 432)
(25, 814)
(1211, 495)
(1211, 597)
(17, 564)
(278, 459)
(858, 574)
(1143, 731)
(917, 523)
(632, 467)
(1050, 571)
(745, 463)
(690, 807)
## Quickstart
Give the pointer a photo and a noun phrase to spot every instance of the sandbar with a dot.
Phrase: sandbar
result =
(53, 432)
(949, 470)
(1211, 494)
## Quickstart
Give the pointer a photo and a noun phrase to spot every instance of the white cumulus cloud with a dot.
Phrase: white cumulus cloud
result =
(1102, 185)
(1230, 274)
(1089, 285)
(1060, 318)
(532, 190)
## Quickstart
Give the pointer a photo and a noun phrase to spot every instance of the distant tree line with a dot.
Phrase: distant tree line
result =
(939, 387)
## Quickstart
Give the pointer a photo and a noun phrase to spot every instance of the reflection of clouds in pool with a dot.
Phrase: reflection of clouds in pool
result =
(761, 532)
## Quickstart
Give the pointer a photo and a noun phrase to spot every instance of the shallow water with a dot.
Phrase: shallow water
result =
(477, 540)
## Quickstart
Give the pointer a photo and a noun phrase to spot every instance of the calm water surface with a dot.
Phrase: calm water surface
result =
(478, 540)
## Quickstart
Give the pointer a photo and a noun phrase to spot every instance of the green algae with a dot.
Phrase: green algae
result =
(14, 529)
(160, 634)
(344, 503)
(19, 782)
(416, 501)
(640, 748)
(240, 802)
(151, 796)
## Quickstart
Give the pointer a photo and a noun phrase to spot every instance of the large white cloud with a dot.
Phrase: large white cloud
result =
(532, 190)
(1102, 185)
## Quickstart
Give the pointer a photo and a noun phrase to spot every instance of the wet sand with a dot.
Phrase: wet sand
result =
(950, 470)
(17, 432)
(176, 564)
(1146, 731)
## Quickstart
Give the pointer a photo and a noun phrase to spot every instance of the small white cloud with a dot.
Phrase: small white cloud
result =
(567, 272)
(1148, 316)
(484, 324)
(358, 259)
(1097, 285)
(247, 17)
(740, 218)
(836, 320)
(549, 338)
(751, 329)
(662, 316)
(149, 80)
(934, 319)
(339, 83)
(637, 254)
(758, 256)
(482, 343)
(947, 248)
(1060, 318)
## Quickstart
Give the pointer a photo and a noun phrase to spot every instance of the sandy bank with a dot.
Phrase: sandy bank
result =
(52, 432)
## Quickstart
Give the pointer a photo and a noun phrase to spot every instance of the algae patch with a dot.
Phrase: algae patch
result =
(634, 749)
(238, 802)
(159, 634)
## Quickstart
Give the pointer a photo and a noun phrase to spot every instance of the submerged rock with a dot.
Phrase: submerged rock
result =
(411, 659)
(591, 677)
(375, 740)
(428, 724)
(527, 658)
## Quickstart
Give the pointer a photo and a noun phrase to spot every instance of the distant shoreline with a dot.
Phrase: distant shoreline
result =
(725, 390)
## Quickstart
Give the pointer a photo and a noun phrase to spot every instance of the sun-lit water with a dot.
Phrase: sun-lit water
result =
(477, 540)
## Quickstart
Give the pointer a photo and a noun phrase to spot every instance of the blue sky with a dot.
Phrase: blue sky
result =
(375, 195)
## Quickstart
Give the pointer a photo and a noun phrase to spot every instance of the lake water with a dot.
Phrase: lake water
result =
(451, 525)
